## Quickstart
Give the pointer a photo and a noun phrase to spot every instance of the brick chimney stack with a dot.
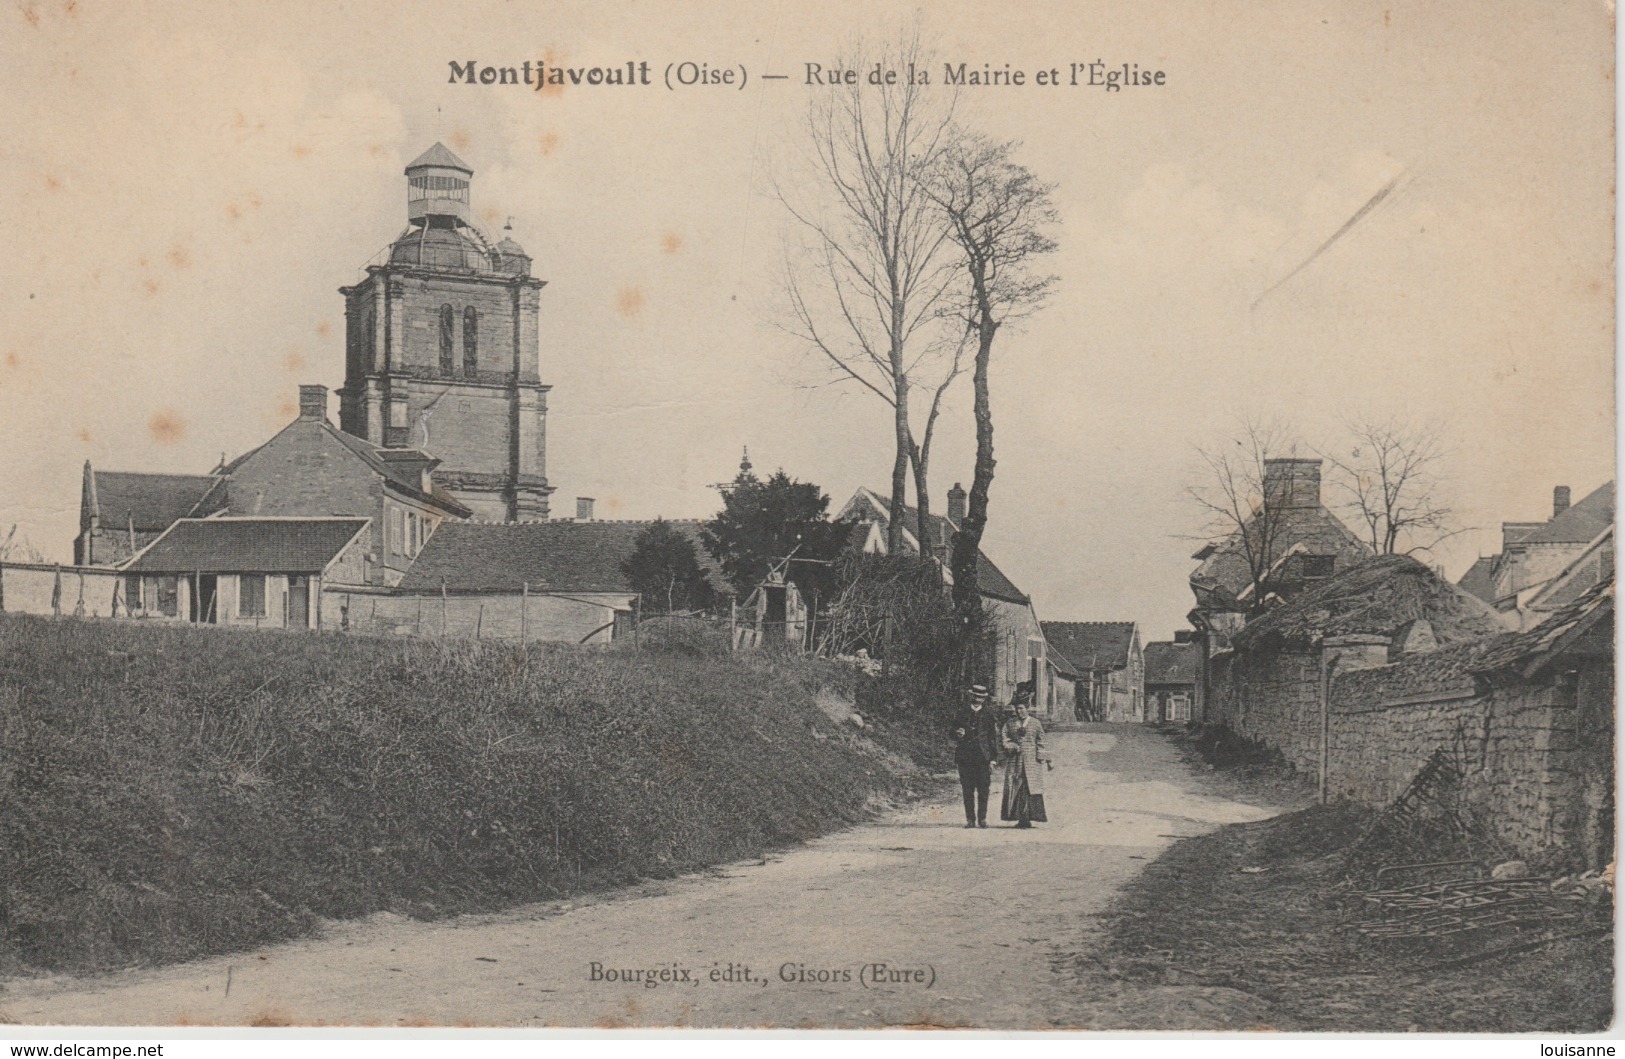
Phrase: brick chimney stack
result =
(584, 508)
(1292, 482)
(956, 504)
(312, 402)
(1560, 500)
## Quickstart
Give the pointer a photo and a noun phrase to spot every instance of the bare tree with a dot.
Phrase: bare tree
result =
(1248, 497)
(18, 549)
(999, 217)
(867, 283)
(1390, 483)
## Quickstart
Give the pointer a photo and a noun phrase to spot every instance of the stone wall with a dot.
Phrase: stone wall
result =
(507, 616)
(26, 588)
(1272, 696)
(1528, 777)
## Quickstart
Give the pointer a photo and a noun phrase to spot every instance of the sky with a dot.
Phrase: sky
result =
(188, 187)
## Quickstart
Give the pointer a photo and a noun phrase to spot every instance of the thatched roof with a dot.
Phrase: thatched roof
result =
(1377, 596)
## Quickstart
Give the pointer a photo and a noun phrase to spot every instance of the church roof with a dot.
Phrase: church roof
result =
(439, 157)
(152, 501)
(556, 556)
(248, 546)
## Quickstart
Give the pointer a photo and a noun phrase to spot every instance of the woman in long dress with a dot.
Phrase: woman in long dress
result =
(1024, 768)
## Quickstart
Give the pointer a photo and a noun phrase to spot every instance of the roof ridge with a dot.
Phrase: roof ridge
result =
(157, 474)
(272, 518)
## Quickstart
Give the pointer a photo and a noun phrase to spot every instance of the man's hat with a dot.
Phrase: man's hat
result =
(978, 691)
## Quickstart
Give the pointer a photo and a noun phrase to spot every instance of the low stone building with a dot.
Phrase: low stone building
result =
(1291, 538)
(121, 512)
(1106, 666)
(264, 572)
(535, 581)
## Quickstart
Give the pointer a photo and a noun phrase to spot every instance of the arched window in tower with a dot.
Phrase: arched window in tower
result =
(447, 333)
(471, 341)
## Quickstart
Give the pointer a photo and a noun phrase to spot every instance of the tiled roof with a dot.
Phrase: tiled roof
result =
(400, 471)
(1594, 564)
(1480, 579)
(990, 580)
(248, 545)
(1579, 523)
(1516, 649)
(1440, 672)
(1091, 644)
(402, 474)
(1224, 573)
(1170, 663)
(556, 556)
(154, 501)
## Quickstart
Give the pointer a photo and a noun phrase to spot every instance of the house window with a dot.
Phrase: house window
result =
(448, 326)
(471, 340)
(251, 596)
(1318, 565)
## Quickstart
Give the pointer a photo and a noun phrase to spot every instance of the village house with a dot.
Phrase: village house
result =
(1306, 543)
(1105, 664)
(1171, 677)
(308, 469)
(1020, 653)
(1533, 554)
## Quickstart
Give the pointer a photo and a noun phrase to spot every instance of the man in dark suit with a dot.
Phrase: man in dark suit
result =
(976, 748)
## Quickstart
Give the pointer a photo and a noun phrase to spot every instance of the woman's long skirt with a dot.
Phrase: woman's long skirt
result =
(1019, 803)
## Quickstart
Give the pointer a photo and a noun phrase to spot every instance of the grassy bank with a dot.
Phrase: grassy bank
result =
(173, 792)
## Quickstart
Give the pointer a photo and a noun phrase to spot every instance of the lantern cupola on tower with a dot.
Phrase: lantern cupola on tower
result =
(437, 189)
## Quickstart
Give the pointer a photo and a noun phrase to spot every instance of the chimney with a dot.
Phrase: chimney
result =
(1184, 636)
(312, 402)
(956, 504)
(1292, 482)
(1560, 500)
(584, 508)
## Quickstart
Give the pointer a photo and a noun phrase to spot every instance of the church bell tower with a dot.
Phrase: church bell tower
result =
(442, 350)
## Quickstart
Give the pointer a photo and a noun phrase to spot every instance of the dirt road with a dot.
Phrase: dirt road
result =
(911, 920)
